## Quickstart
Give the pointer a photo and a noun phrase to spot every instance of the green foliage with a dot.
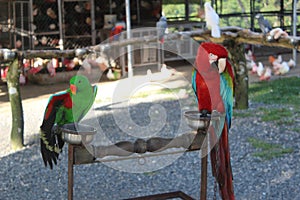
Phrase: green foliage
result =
(175, 8)
(268, 150)
(243, 6)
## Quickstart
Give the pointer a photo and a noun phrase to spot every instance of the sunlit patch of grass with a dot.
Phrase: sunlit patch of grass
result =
(157, 93)
(267, 150)
(164, 91)
(280, 91)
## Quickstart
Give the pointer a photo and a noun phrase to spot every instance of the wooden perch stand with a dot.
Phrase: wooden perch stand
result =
(192, 141)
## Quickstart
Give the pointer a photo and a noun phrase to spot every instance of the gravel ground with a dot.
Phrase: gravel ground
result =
(23, 175)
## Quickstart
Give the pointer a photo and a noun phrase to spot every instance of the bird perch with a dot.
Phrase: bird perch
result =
(239, 35)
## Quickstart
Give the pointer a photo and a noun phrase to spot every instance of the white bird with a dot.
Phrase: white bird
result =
(276, 33)
(281, 68)
(110, 75)
(212, 20)
(260, 69)
(249, 59)
(166, 72)
(279, 58)
(291, 63)
(249, 56)
(284, 68)
(253, 67)
(266, 75)
(149, 75)
(273, 60)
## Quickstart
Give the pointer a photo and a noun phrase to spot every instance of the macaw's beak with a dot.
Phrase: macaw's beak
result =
(221, 65)
(73, 89)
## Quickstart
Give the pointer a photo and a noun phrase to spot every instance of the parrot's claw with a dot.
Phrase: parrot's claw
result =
(204, 113)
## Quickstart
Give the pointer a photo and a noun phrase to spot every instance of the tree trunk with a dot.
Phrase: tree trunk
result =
(17, 129)
(238, 62)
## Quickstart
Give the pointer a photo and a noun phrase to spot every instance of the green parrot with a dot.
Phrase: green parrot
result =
(65, 107)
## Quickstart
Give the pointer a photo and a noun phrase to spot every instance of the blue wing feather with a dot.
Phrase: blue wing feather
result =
(226, 90)
(194, 85)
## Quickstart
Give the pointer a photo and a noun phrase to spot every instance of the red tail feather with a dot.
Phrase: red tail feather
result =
(221, 166)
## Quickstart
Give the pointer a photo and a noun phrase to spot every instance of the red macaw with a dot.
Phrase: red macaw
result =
(213, 82)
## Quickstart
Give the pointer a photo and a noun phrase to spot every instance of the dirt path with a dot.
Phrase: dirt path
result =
(32, 91)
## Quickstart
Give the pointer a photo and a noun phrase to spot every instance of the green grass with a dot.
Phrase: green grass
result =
(280, 91)
(278, 115)
(267, 151)
(284, 92)
(296, 129)
(243, 114)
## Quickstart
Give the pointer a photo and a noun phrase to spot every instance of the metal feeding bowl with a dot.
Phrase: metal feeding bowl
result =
(199, 120)
(75, 133)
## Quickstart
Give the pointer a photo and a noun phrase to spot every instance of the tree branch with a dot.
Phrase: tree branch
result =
(239, 35)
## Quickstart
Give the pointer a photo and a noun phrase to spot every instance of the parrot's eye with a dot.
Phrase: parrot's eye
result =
(212, 57)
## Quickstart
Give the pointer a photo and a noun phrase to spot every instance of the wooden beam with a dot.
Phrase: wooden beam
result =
(239, 35)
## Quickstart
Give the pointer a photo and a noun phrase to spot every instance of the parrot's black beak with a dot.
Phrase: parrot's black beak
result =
(214, 65)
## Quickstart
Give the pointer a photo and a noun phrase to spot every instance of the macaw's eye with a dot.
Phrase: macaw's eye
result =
(212, 56)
